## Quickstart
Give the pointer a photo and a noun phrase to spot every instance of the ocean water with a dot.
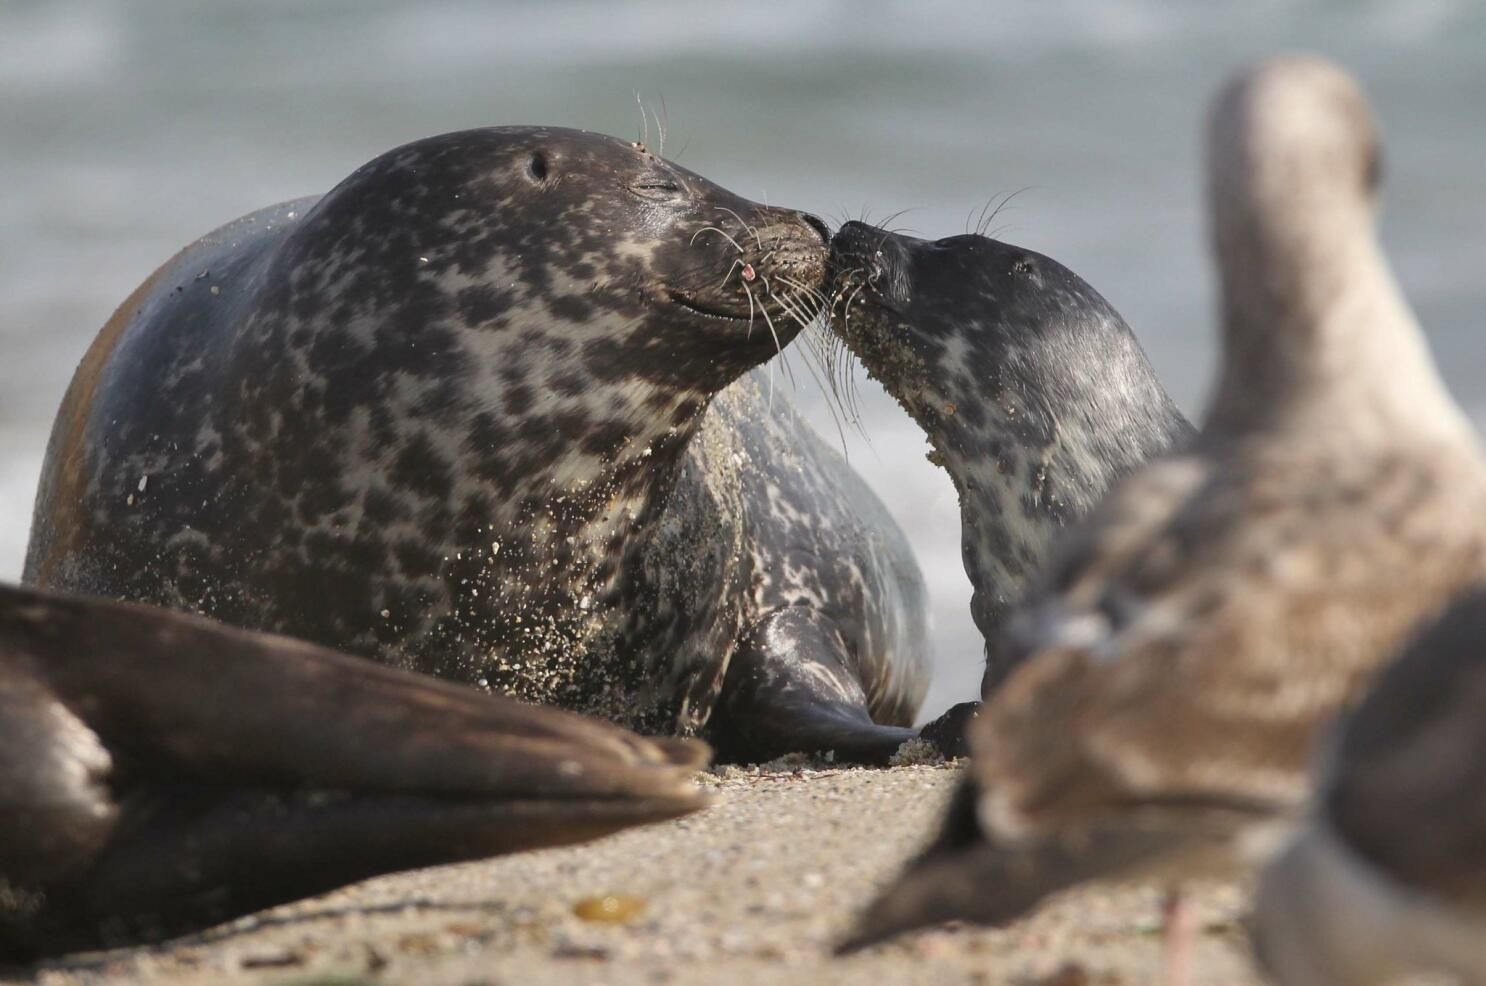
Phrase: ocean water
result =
(130, 127)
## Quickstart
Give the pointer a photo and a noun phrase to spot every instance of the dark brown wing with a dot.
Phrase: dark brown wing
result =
(1201, 656)
(1406, 786)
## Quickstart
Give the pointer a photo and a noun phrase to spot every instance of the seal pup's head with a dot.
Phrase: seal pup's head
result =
(1032, 390)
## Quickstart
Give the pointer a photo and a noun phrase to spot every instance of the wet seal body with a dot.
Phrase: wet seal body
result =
(1032, 390)
(163, 773)
(457, 415)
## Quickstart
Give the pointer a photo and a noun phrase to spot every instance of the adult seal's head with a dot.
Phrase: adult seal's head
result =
(1033, 392)
(430, 416)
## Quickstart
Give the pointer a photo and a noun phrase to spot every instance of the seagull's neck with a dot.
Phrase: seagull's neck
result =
(1316, 335)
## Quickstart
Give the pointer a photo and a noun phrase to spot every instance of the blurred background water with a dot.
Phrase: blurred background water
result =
(130, 127)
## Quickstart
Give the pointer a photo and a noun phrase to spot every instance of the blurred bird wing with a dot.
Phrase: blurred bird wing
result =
(1198, 645)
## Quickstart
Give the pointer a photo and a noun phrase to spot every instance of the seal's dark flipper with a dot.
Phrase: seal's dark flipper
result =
(948, 731)
(160, 773)
(791, 688)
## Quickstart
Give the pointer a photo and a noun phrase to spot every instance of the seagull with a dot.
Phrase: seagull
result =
(1388, 875)
(161, 773)
(1189, 641)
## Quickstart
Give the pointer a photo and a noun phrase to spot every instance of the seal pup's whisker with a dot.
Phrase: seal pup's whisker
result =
(993, 208)
(886, 220)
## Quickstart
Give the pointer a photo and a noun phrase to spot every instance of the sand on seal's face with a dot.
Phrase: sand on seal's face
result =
(753, 890)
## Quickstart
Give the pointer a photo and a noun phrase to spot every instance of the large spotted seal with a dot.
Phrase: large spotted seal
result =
(458, 415)
(1033, 392)
(162, 773)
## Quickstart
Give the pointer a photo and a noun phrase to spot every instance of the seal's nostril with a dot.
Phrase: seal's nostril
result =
(821, 228)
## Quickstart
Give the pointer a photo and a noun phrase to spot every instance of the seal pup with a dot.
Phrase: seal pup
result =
(161, 773)
(1032, 391)
(1218, 609)
(458, 415)
(1388, 875)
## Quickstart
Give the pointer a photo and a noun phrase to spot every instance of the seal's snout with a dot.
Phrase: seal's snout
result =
(793, 244)
(863, 255)
(852, 245)
(817, 224)
(770, 265)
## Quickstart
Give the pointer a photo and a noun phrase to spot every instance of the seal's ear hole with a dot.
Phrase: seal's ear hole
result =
(1022, 265)
(536, 166)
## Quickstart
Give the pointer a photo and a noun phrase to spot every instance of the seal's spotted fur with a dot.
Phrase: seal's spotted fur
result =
(455, 415)
(1032, 390)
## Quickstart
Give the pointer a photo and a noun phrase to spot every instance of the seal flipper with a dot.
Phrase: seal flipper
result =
(948, 731)
(164, 773)
(791, 688)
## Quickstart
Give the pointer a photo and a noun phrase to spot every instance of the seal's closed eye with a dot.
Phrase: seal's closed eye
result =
(657, 188)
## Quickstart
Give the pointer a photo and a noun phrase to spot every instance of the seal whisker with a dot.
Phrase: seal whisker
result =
(832, 402)
(738, 262)
(889, 218)
(793, 307)
(840, 360)
(814, 335)
(751, 308)
(715, 229)
(986, 221)
(644, 118)
(662, 121)
(822, 302)
(745, 225)
(778, 349)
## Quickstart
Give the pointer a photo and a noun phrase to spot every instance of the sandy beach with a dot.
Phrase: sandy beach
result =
(752, 890)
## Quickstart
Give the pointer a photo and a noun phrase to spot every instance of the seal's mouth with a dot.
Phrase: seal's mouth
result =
(869, 286)
(702, 308)
(866, 265)
(769, 270)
